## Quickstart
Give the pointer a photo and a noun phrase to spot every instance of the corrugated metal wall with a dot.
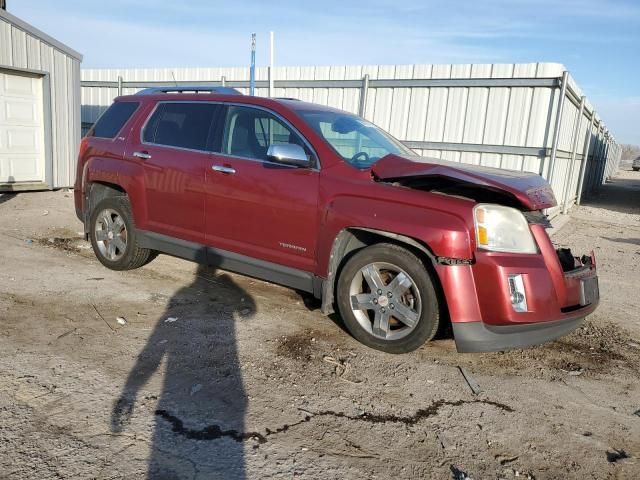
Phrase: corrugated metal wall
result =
(502, 115)
(21, 48)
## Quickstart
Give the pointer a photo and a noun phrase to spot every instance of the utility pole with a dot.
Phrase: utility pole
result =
(252, 70)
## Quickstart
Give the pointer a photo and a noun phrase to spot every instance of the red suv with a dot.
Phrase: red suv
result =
(325, 202)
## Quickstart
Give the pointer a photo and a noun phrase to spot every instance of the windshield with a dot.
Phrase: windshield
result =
(359, 142)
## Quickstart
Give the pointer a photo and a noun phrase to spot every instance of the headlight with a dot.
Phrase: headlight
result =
(502, 229)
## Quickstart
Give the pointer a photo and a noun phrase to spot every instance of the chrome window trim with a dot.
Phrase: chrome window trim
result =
(317, 163)
(258, 160)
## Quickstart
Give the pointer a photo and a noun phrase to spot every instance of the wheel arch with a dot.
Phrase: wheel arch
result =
(352, 239)
(99, 190)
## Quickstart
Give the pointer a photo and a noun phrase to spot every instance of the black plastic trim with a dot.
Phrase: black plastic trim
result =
(231, 261)
(479, 337)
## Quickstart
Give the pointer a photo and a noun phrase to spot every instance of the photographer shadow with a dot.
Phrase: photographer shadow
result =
(199, 417)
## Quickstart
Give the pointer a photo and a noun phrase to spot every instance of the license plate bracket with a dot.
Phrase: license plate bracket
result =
(589, 291)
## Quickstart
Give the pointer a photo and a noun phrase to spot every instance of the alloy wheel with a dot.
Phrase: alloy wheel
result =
(111, 234)
(385, 301)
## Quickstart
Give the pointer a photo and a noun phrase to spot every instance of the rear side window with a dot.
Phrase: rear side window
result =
(184, 125)
(112, 121)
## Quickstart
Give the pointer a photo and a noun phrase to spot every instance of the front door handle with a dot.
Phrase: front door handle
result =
(142, 155)
(223, 169)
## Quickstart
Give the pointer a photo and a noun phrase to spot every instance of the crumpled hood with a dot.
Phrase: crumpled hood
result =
(530, 189)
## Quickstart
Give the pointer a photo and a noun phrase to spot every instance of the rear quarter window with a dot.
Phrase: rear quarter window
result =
(112, 121)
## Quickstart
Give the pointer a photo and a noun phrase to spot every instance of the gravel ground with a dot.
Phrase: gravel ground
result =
(178, 371)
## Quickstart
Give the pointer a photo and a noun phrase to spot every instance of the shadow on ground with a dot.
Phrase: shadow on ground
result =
(618, 194)
(199, 417)
(5, 197)
(630, 241)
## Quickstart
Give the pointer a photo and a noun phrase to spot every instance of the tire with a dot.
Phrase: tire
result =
(418, 305)
(635, 169)
(117, 248)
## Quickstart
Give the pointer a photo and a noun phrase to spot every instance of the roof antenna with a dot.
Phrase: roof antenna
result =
(174, 78)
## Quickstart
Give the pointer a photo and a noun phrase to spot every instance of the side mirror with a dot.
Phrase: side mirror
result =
(289, 154)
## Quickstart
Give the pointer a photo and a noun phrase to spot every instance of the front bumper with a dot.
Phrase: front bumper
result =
(480, 305)
(474, 337)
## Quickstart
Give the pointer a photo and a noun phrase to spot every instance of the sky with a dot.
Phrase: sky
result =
(597, 40)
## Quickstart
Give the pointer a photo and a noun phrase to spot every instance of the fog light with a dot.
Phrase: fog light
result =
(517, 294)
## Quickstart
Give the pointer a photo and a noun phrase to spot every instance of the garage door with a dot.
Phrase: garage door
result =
(22, 156)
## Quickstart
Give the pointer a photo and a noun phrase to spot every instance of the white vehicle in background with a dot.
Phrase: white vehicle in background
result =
(636, 164)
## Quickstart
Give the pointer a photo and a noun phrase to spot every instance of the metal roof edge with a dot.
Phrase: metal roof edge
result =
(21, 24)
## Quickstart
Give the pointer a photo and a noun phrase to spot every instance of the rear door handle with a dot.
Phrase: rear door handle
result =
(223, 169)
(142, 155)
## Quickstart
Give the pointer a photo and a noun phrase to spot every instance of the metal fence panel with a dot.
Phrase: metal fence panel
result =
(501, 115)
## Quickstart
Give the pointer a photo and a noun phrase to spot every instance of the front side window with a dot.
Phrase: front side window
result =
(359, 142)
(249, 132)
(180, 124)
(112, 120)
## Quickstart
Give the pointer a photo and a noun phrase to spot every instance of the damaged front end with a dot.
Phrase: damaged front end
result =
(581, 280)
(519, 300)
(520, 290)
(522, 190)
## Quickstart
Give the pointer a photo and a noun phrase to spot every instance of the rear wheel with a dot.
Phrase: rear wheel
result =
(113, 236)
(387, 299)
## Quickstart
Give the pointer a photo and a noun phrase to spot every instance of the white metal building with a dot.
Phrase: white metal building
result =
(39, 108)
(531, 117)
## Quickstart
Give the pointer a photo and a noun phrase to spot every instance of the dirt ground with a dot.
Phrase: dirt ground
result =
(178, 371)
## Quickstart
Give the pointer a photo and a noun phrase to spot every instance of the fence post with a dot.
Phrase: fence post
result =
(223, 81)
(364, 89)
(574, 151)
(603, 159)
(588, 174)
(585, 157)
(119, 86)
(594, 180)
(556, 132)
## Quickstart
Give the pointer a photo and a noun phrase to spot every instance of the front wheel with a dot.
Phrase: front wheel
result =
(113, 235)
(387, 299)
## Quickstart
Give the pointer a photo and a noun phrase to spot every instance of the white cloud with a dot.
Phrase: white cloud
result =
(113, 42)
(595, 38)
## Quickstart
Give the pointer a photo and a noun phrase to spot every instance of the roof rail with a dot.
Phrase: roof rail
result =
(190, 89)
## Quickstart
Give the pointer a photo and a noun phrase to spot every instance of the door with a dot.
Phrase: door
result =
(22, 153)
(257, 207)
(173, 152)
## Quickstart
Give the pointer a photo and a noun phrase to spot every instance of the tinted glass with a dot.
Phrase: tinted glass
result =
(250, 131)
(112, 121)
(184, 125)
(359, 142)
